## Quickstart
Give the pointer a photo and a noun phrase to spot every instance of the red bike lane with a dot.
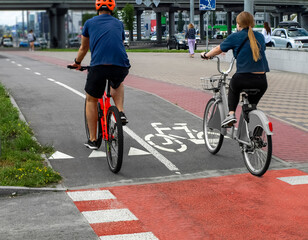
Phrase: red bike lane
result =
(229, 207)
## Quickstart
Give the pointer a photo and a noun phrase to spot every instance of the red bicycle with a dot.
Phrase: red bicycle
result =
(109, 128)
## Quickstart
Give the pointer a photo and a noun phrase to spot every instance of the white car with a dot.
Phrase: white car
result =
(290, 38)
(7, 43)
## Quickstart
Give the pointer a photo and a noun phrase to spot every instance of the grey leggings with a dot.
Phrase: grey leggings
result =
(242, 81)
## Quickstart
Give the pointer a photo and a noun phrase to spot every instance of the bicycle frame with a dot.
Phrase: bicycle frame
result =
(256, 117)
(103, 106)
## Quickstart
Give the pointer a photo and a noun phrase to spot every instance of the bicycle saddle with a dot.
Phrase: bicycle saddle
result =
(251, 91)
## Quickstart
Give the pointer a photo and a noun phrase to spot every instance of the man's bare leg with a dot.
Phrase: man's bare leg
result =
(92, 116)
(118, 96)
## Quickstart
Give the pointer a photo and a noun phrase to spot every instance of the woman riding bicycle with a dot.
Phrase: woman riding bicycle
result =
(251, 63)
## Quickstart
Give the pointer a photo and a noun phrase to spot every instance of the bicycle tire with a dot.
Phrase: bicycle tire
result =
(99, 127)
(114, 145)
(212, 136)
(258, 157)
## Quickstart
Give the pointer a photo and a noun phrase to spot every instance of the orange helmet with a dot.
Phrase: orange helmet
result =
(105, 4)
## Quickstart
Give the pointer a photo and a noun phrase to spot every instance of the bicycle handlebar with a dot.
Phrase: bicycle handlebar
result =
(218, 65)
(81, 69)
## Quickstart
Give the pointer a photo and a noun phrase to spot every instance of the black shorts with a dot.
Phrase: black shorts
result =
(97, 76)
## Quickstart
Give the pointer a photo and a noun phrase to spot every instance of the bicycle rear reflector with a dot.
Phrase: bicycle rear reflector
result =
(270, 125)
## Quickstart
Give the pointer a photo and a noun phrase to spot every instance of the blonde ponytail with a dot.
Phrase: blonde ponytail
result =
(253, 45)
(245, 20)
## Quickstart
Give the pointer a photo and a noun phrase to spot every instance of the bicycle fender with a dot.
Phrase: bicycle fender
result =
(258, 118)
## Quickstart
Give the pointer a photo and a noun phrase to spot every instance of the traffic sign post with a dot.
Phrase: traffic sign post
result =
(207, 5)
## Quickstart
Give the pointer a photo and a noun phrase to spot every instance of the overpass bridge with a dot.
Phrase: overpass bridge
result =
(57, 10)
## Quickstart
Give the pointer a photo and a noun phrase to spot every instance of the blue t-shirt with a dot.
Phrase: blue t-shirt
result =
(244, 59)
(106, 35)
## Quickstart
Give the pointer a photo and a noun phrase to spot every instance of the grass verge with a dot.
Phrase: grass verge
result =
(21, 161)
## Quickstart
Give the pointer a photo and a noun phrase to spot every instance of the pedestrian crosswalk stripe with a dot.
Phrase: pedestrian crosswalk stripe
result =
(132, 236)
(91, 195)
(96, 154)
(295, 180)
(111, 215)
(60, 155)
(136, 152)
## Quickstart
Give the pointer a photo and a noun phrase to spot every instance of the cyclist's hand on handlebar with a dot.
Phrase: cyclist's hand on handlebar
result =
(74, 66)
(203, 56)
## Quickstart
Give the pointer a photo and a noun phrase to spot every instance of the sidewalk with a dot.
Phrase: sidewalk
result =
(175, 77)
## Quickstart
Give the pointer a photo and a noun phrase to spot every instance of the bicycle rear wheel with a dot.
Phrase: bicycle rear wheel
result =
(258, 157)
(114, 144)
(211, 127)
(99, 126)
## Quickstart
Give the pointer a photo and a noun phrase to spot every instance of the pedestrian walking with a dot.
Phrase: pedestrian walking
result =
(267, 32)
(191, 39)
(31, 39)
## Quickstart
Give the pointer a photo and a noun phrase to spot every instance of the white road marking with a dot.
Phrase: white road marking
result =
(110, 215)
(12, 61)
(96, 154)
(28, 69)
(19, 65)
(297, 180)
(51, 80)
(154, 152)
(91, 195)
(137, 152)
(132, 236)
(71, 89)
(37, 73)
(60, 155)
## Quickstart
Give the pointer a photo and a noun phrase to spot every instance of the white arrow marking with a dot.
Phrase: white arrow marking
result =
(60, 155)
(137, 152)
(96, 154)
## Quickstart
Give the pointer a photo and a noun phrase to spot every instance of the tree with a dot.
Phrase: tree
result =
(115, 13)
(181, 22)
(87, 16)
(128, 19)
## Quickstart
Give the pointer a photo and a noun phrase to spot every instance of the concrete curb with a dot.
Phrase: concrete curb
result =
(13, 191)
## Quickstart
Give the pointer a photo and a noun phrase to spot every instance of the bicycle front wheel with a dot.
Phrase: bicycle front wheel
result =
(99, 126)
(114, 144)
(258, 157)
(211, 127)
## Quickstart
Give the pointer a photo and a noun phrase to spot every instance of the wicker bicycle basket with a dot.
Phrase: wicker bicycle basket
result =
(211, 83)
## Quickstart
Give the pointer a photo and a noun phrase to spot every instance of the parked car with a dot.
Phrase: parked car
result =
(23, 43)
(7, 42)
(289, 24)
(290, 38)
(126, 43)
(42, 42)
(178, 42)
(73, 42)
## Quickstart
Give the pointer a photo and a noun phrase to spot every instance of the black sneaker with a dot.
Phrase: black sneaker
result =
(229, 121)
(123, 118)
(91, 145)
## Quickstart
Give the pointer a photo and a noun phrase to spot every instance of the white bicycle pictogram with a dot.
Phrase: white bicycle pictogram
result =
(171, 142)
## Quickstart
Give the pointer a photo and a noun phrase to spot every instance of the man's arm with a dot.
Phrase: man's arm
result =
(84, 47)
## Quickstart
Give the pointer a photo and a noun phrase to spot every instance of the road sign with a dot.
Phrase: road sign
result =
(207, 5)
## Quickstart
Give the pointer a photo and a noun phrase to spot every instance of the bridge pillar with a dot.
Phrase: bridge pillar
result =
(299, 18)
(158, 27)
(202, 25)
(138, 16)
(248, 6)
(52, 12)
(57, 25)
(304, 21)
(171, 22)
(229, 22)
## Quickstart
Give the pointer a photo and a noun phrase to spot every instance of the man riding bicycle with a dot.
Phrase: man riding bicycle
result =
(105, 36)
